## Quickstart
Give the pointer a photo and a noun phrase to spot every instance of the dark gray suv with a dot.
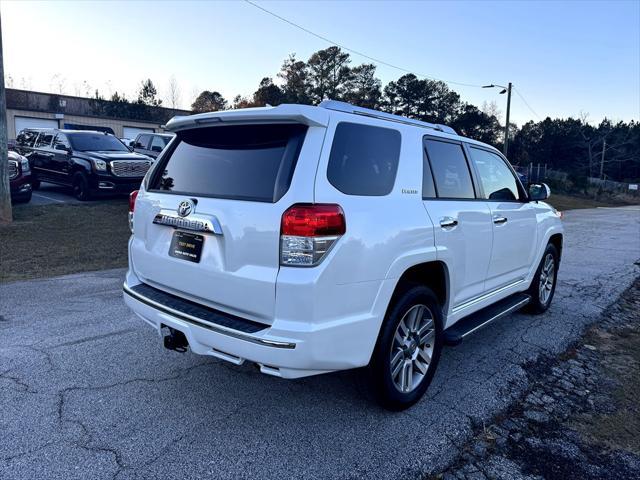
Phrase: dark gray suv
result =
(151, 144)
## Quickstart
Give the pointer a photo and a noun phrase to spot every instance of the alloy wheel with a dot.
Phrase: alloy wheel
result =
(412, 348)
(547, 278)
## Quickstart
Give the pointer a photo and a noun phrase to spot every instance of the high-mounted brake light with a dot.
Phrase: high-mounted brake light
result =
(308, 231)
(132, 206)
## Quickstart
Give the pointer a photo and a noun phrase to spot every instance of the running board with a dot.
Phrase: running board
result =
(466, 326)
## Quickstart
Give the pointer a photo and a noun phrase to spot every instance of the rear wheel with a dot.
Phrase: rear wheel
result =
(81, 188)
(543, 285)
(408, 349)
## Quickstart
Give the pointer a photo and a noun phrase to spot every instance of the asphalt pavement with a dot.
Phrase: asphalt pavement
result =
(49, 194)
(87, 391)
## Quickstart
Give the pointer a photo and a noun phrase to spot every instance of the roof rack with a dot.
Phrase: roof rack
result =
(368, 112)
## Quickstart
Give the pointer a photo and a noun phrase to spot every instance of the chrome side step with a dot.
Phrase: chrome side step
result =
(474, 322)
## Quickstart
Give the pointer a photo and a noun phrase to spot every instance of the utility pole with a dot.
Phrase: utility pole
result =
(506, 90)
(5, 194)
(604, 146)
(506, 127)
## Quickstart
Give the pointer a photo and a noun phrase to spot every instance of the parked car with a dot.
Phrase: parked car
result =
(19, 178)
(151, 144)
(313, 239)
(91, 163)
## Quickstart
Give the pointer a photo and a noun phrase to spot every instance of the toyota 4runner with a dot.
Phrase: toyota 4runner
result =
(313, 239)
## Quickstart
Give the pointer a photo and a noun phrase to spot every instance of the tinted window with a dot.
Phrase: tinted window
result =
(61, 139)
(450, 169)
(158, 143)
(496, 178)
(44, 140)
(26, 138)
(143, 141)
(96, 142)
(364, 159)
(428, 187)
(243, 162)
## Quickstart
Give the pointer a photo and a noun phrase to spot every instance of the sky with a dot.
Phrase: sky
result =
(565, 58)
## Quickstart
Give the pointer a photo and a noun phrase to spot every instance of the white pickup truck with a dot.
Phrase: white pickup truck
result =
(309, 239)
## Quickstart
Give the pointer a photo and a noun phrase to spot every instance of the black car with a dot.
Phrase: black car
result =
(91, 163)
(151, 144)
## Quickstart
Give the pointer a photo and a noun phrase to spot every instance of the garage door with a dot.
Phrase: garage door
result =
(132, 132)
(30, 122)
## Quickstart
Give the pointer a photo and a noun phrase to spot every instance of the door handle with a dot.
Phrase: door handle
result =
(448, 222)
(499, 220)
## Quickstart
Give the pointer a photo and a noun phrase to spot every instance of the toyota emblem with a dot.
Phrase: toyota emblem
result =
(185, 207)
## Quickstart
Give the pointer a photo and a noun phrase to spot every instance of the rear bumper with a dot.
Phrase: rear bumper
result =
(282, 349)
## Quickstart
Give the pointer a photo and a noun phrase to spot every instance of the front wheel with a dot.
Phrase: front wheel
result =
(543, 285)
(408, 349)
(81, 188)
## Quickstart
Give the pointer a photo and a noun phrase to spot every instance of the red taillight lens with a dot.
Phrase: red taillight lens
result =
(307, 233)
(132, 200)
(313, 220)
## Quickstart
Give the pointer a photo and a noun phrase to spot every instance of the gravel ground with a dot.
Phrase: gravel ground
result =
(86, 391)
(579, 418)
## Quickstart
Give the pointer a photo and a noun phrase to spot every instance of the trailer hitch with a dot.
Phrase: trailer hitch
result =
(174, 339)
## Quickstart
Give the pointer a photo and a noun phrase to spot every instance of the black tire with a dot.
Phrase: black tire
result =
(540, 303)
(382, 382)
(35, 184)
(81, 188)
(23, 199)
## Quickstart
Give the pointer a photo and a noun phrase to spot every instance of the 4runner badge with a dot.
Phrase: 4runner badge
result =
(185, 207)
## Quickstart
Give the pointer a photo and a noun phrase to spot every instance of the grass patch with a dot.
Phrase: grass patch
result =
(51, 240)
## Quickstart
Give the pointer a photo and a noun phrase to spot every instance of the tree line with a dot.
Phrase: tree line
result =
(571, 145)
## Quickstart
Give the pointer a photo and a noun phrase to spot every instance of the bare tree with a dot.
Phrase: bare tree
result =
(58, 83)
(173, 94)
(25, 83)
(491, 109)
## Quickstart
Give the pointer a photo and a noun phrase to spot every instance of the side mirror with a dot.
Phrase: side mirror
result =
(156, 148)
(61, 147)
(132, 144)
(539, 191)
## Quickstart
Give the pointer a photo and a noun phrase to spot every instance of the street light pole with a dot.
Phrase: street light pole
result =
(506, 127)
(506, 90)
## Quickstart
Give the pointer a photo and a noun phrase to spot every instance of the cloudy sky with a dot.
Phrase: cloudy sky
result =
(563, 57)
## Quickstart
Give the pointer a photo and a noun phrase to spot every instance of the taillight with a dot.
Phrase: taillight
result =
(132, 206)
(308, 231)
(132, 200)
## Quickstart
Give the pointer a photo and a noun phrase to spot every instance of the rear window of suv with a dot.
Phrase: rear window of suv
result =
(364, 159)
(241, 162)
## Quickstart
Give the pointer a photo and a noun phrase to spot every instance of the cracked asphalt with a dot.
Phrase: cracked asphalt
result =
(86, 390)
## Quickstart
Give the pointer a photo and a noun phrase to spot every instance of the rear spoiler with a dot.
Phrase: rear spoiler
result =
(305, 114)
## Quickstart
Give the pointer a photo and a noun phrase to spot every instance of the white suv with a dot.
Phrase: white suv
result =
(313, 239)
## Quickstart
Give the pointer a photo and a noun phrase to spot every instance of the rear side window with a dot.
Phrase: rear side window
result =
(44, 140)
(26, 138)
(242, 162)
(364, 159)
(450, 169)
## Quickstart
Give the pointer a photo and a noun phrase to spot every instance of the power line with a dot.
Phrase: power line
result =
(527, 103)
(373, 59)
